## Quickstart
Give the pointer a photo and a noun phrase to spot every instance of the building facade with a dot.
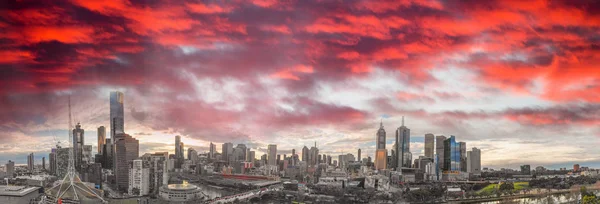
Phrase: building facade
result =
(429, 146)
(117, 118)
(30, 162)
(272, 155)
(78, 142)
(403, 154)
(380, 152)
(439, 151)
(451, 155)
(139, 178)
(226, 151)
(126, 150)
(101, 138)
(10, 169)
(474, 161)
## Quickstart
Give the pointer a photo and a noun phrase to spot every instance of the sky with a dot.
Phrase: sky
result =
(517, 79)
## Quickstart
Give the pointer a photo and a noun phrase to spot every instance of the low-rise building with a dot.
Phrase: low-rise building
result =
(377, 182)
(339, 182)
(180, 192)
(19, 194)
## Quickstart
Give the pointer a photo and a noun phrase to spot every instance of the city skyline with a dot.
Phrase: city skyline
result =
(204, 73)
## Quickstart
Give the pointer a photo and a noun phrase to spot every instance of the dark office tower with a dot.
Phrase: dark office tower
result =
(212, 150)
(305, 154)
(451, 155)
(108, 156)
(272, 154)
(78, 141)
(117, 118)
(463, 156)
(30, 162)
(359, 158)
(293, 152)
(52, 160)
(44, 163)
(439, 151)
(126, 150)
(240, 152)
(429, 147)
(178, 152)
(226, 151)
(403, 154)
(101, 138)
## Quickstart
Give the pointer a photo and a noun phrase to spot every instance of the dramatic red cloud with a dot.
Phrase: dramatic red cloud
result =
(548, 50)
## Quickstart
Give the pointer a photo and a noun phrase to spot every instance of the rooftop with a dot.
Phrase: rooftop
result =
(182, 187)
(17, 190)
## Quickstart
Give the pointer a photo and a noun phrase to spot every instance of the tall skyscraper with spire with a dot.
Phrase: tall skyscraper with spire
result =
(403, 154)
(117, 118)
(380, 152)
(78, 142)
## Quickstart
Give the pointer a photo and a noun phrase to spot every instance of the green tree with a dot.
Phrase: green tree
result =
(590, 199)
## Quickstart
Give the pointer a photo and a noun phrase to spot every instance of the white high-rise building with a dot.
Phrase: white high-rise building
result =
(474, 161)
(139, 178)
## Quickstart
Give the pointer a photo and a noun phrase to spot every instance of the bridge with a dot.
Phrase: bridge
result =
(246, 195)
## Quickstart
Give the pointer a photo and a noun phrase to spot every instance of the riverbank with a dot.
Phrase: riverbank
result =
(521, 196)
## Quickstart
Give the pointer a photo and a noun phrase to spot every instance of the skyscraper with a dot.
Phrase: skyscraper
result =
(101, 138)
(212, 150)
(451, 155)
(359, 158)
(380, 136)
(474, 161)
(250, 156)
(30, 162)
(272, 155)
(226, 151)
(178, 152)
(10, 168)
(192, 154)
(439, 151)
(429, 139)
(44, 163)
(305, 153)
(313, 154)
(126, 150)
(117, 118)
(62, 161)
(78, 142)
(381, 152)
(108, 156)
(240, 152)
(404, 157)
(463, 156)
(52, 161)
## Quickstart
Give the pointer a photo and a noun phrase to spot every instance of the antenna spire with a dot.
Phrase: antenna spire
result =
(402, 120)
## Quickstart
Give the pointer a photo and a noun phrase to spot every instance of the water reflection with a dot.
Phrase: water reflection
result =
(569, 197)
(212, 191)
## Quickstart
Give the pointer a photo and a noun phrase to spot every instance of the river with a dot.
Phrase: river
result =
(568, 197)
